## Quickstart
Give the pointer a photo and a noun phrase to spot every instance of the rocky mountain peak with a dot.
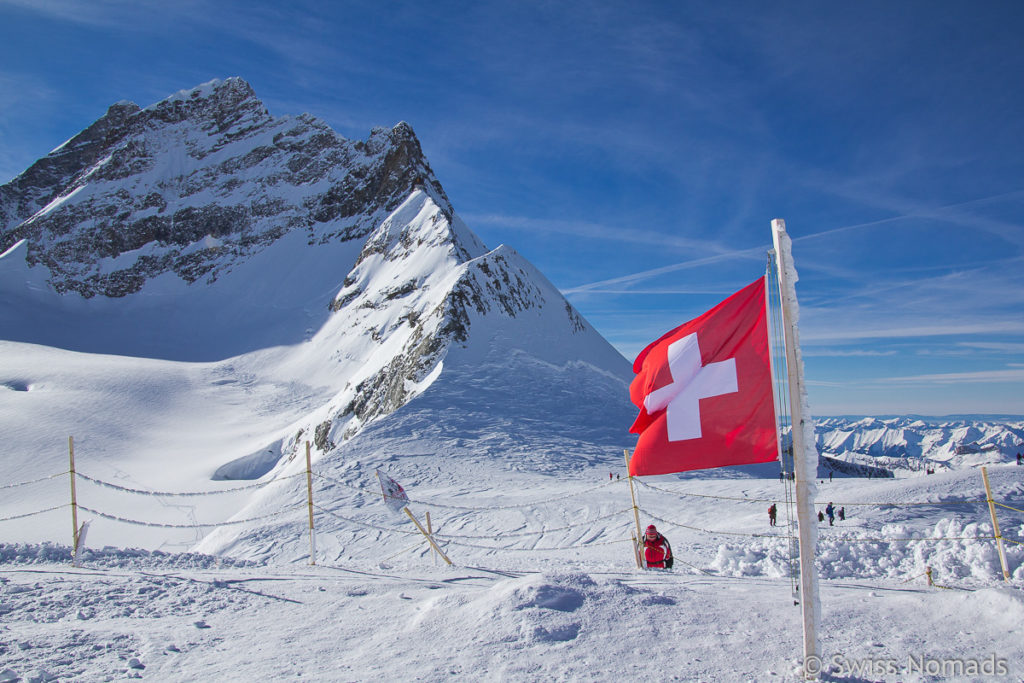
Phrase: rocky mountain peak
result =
(217, 105)
(197, 183)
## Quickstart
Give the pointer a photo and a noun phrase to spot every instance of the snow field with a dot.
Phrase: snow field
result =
(343, 623)
(378, 604)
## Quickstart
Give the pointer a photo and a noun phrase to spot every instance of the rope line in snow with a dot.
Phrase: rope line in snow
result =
(392, 530)
(1008, 507)
(911, 504)
(710, 531)
(145, 492)
(852, 539)
(339, 482)
(164, 525)
(537, 503)
(830, 538)
(537, 550)
(34, 481)
(431, 503)
(704, 495)
(538, 532)
(775, 500)
(32, 514)
(450, 538)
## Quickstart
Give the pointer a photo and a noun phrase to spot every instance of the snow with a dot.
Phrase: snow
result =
(386, 608)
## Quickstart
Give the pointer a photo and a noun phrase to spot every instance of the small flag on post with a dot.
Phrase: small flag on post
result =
(395, 496)
(704, 391)
(397, 500)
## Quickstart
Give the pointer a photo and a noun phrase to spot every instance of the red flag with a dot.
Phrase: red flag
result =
(705, 391)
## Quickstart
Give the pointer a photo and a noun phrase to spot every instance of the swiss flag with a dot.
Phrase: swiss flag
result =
(705, 391)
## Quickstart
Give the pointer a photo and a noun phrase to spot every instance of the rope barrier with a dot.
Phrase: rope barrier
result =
(450, 539)
(1008, 507)
(32, 514)
(546, 501)
(774, 500)
(540, 531)
(831, 538)
(163, 525)
(913, 503)
(145, 492)
(429, 503)
(392, 530)
(351, 486)
(704, 495)
(709, 531)
(921, 538)
(33, 481)
(527, 550)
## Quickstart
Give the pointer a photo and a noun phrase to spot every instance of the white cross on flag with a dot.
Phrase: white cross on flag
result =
(705, 391)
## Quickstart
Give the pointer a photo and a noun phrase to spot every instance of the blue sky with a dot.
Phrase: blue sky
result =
(637, 152)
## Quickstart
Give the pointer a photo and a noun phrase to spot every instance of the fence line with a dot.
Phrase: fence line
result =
(446, 506)
(393, 530)
(164, 525)
(466, 540)
(710, 531)
(775, 500)
(538, 532)
(145, 492)
(537, 550)
(33, 514)
(34, 481)
(1008, 507)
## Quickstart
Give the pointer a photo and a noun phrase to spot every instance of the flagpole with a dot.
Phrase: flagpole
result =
(805, 471)
(636, 513)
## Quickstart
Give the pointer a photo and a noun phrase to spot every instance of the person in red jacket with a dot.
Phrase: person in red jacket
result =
(657, 551)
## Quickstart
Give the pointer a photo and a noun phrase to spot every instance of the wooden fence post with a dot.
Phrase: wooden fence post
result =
(74, 502)
(309, 497)
(636, 514)
(995, 526)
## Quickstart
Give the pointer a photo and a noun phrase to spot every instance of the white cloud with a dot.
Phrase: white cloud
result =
(1014, 374)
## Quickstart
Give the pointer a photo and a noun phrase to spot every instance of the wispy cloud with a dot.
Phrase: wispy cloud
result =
(1014, 374)
(1000, 347)
(908, 210)
(847, 353)
(945, 329)
(592, 231)
(749, 254)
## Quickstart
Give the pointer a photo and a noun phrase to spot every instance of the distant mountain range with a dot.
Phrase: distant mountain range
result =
(919, 443)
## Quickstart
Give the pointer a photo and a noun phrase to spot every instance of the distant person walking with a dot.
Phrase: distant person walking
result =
(657, 551)
(771, 515)
(831, 512)
(842, 514)
(821, 516)
(1020, 458)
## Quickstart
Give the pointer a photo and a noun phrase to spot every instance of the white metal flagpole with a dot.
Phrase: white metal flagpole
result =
(805, 453)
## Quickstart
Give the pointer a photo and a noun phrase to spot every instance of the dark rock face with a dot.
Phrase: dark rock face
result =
(196, 183)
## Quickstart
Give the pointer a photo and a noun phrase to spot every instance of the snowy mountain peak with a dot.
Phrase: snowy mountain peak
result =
(197, 183)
